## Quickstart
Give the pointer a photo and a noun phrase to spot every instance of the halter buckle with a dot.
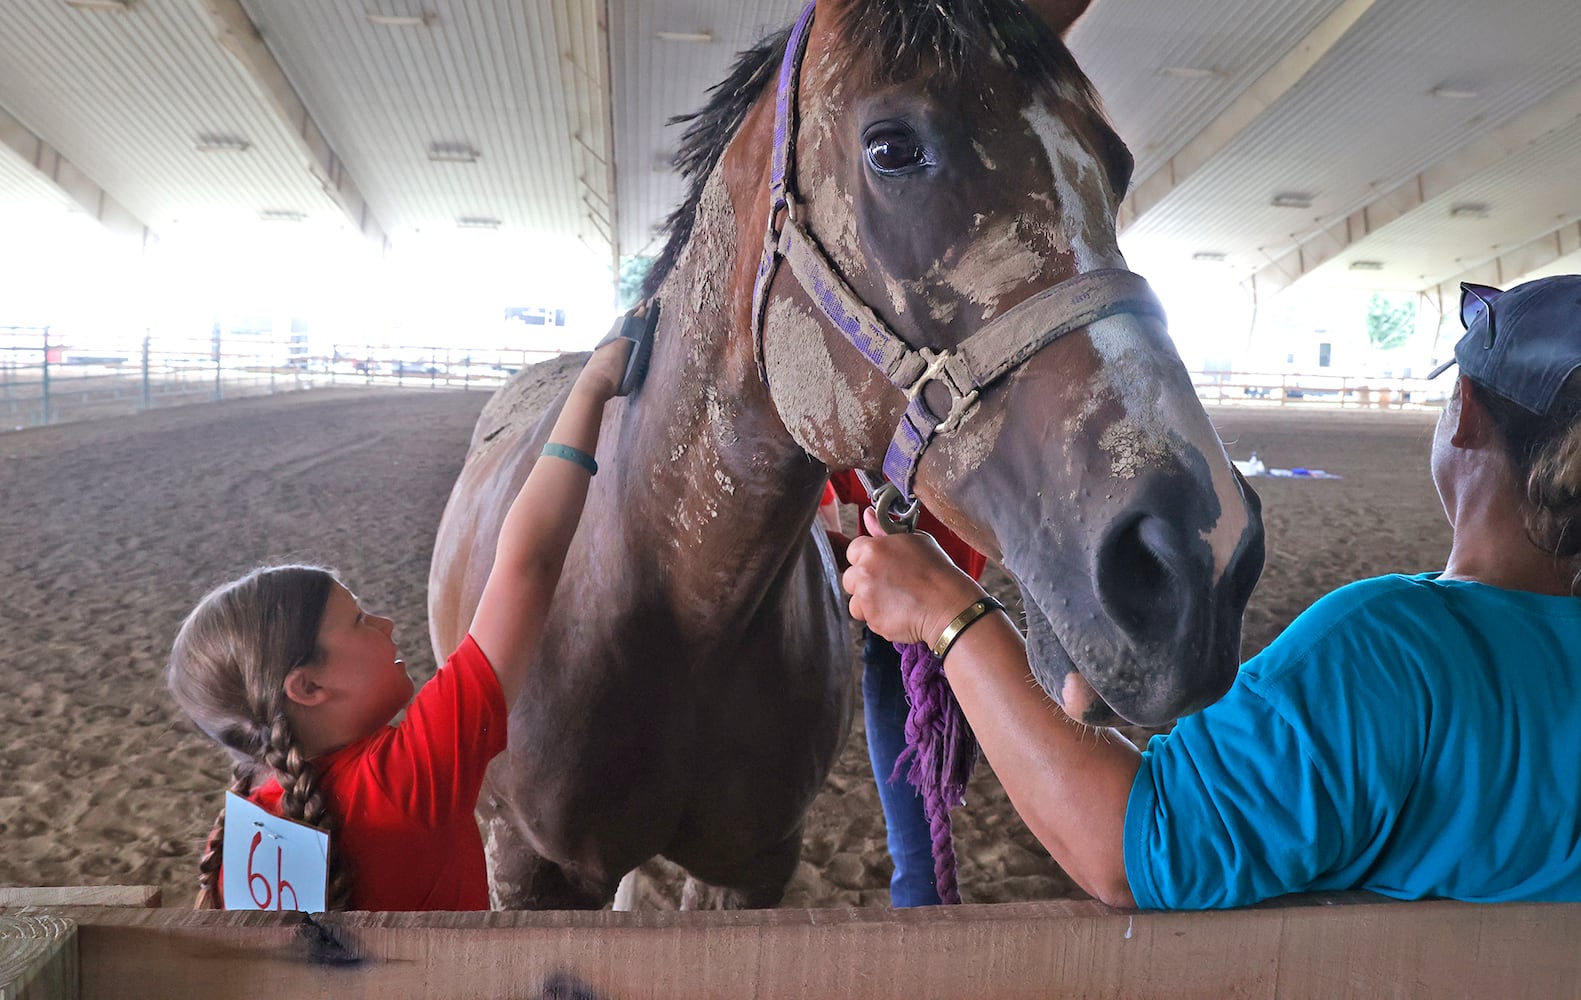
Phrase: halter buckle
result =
(937, 370)
(960, 408)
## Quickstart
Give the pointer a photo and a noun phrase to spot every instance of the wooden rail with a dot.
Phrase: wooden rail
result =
(1333, 947)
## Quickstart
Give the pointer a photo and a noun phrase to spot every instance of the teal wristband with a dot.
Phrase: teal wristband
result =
(576, 456)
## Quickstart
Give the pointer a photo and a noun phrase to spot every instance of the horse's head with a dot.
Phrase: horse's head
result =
(949, 164)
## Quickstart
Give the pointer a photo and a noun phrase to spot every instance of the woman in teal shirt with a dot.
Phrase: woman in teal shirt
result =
(1417, 736)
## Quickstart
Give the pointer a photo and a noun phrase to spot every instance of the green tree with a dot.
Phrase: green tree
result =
(1390, 322)
(633, 272)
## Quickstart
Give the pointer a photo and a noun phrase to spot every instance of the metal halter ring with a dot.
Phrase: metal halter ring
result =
(894, 521)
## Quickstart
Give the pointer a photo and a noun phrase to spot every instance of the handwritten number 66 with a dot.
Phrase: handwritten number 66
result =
(255, 881)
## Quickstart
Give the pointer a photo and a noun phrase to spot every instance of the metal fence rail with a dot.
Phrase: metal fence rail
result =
(43, 381)
(1319, 391)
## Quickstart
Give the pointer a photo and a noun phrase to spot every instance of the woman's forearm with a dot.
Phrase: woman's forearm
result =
(1069, 782)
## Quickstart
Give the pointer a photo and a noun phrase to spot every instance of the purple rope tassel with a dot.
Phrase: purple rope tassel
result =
(942, 751)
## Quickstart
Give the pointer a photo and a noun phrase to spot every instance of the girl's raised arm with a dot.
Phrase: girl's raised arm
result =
(541, 521)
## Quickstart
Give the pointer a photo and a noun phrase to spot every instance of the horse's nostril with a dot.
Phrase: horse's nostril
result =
(1138, 581)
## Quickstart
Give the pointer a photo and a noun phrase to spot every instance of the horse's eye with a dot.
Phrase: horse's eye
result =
(896, 152)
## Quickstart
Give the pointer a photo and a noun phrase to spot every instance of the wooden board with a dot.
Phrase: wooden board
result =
(38, 957)
(80, 895)
(1364, 949)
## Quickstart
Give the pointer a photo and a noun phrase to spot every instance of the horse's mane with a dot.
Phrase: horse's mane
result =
(901, 39)
(705, 139)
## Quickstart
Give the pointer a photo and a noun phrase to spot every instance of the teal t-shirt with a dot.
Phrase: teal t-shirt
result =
(1407, 735)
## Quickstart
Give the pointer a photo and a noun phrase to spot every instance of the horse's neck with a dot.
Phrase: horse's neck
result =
(728, 493)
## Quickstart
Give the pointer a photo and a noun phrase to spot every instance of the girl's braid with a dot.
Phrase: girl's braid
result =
(303, 800)
(214, 847)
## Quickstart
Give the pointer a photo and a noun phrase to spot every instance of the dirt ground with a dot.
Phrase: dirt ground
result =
(113, 528)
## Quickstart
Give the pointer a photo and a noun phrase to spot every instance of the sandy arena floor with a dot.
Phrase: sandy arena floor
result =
(112, 529)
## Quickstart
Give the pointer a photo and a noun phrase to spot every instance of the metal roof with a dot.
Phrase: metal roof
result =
(1427, 139)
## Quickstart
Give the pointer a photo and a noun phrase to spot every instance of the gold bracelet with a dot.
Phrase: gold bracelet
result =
(963, 621)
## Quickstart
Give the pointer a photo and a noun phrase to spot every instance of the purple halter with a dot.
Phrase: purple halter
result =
(993, 352)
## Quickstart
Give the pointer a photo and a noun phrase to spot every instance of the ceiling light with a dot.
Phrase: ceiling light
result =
(477, 222)
(116, 5)
(422, 20)
(452, 152)
(1292, 199)
(1449, 93)
(222, 144)
(1366, 265)
(1468, 210)
(1188, 72)
(686, 36)
(282, 215)
(1210, 256)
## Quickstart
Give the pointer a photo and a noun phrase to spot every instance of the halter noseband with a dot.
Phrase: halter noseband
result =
(994, 351)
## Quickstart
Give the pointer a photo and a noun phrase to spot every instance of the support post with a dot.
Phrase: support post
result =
(147, 396)
(219, 392)
(44, 384)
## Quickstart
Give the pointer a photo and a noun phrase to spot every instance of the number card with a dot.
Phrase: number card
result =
(272, 863)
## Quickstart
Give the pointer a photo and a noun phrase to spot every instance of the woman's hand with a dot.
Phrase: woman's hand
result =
(903, 586)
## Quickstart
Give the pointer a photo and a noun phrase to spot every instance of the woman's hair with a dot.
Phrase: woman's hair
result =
(227, 671)
(1545, 452)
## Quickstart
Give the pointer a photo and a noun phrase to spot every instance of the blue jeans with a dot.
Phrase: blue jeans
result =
(884, 709)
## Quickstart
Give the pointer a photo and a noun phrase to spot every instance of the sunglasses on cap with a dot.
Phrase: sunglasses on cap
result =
(1474, 301)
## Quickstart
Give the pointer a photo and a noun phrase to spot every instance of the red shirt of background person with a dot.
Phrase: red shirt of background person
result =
(846, 487)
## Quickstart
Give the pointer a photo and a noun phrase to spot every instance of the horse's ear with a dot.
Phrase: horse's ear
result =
(1058, 14)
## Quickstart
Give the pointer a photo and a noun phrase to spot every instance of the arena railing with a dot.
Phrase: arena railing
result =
(1320, 390)
(45, 379)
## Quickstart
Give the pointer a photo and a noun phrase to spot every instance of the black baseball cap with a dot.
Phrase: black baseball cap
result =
(1522, 344)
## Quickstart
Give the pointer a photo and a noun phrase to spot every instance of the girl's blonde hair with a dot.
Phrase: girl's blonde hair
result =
(227, 672)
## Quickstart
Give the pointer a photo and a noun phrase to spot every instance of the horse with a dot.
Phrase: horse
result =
(940, 185)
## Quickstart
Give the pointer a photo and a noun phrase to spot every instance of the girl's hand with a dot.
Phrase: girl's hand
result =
(904, 586)
(602, 374)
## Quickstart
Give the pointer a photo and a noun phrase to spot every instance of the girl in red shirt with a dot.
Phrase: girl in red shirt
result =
(288, 672)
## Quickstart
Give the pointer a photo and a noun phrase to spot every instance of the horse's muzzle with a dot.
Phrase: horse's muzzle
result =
(1178, 614)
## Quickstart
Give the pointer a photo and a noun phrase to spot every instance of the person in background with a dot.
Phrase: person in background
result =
(1412, 735)
(884, 709)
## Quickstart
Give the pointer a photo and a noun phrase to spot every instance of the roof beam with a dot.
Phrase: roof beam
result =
(238, 36)
(1247, 108)
(1313, 249)
(71, 181)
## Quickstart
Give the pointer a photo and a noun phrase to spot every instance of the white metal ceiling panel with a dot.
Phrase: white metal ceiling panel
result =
(1166, 70)
(466, 115)
(657, 78)
(127, 96)
(1526, 197)
(1366, 118)
(564, 104)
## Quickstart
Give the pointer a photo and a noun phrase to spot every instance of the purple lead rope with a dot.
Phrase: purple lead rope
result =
(941, 749)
